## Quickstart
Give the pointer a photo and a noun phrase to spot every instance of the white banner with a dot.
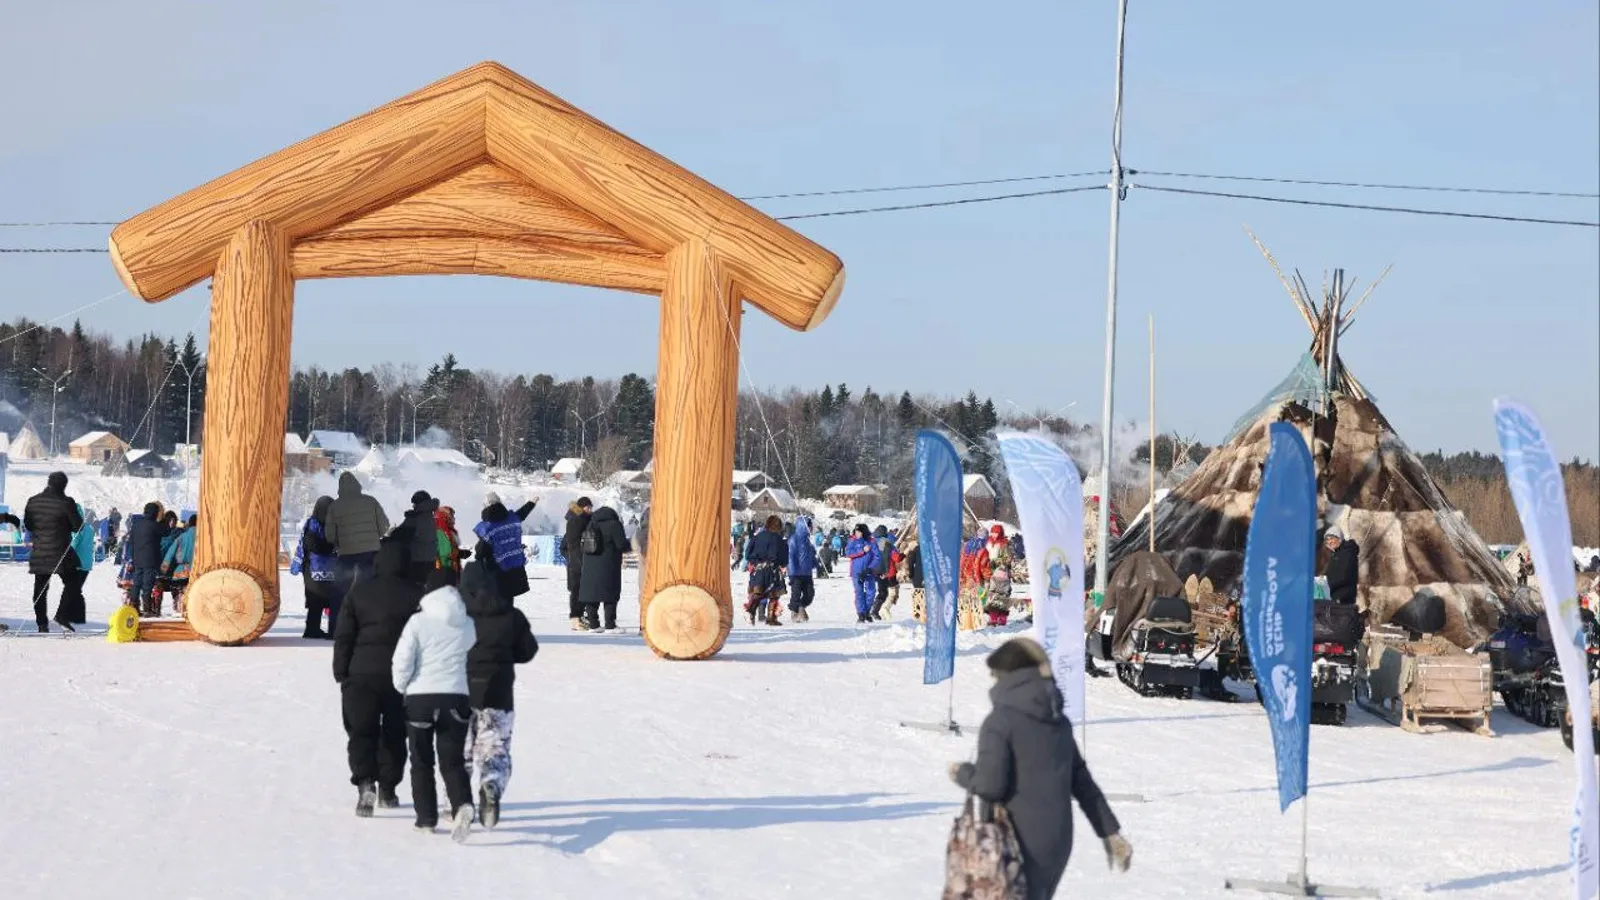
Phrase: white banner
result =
(1049, 498)
(1534, 475)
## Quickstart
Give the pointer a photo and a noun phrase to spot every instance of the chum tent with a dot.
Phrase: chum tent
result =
(1413, 542)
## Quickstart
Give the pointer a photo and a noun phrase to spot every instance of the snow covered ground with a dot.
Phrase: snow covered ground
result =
(777, 769)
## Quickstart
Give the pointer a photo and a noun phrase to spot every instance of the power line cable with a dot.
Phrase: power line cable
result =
(1370, 207)
(54, 250)
(939, 203)
(926, 187)
(1506, 192)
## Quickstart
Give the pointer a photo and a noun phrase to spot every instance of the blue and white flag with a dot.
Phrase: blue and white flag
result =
(938, 485)
(1049, 498)
(1279, 561)
(1541, 498)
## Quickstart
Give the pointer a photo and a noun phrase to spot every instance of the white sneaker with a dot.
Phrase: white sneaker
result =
(463, 824)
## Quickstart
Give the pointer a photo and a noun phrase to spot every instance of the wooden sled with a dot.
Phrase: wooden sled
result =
(1416, 684)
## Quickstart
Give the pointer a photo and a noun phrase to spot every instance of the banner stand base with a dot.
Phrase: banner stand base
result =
(950, 727)
(1295, 886)
(1127, 798)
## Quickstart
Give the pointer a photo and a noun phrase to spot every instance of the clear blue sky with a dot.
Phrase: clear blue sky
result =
(111, 107)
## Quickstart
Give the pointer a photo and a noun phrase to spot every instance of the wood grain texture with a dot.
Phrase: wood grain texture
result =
(482, 114)
(354, 168)
(697, 380)
(166, 631)
(228, 606)
(654, 201)
(247, 402)
(482, 221)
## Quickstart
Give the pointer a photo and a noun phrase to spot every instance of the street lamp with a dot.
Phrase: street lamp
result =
(415, 405)
(583, 428)
(188, 412)
(1041, 420)
(55, 391)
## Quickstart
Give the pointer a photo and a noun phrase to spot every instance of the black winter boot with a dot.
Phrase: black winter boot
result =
(388, 798)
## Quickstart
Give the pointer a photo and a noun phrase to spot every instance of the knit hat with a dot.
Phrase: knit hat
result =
(1334, 534)
(491, 499)
(421, 497)
(1017, 654)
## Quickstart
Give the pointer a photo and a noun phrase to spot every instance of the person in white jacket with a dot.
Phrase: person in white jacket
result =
(430, 669)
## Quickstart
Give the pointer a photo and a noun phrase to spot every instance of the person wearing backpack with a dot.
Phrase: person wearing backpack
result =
(863, 571)
(315, 559)
(504, 642)
(600, 585)
(1029, 764)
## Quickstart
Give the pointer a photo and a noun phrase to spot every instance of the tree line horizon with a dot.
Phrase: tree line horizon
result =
(805, 439)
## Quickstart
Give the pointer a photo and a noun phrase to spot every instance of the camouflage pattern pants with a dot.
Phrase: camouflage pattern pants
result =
(489, 748)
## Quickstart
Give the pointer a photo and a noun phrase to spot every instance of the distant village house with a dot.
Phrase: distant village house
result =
(979, 496)
(96, 447)
(860, 498)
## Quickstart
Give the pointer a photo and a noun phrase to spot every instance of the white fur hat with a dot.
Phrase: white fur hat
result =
(491, 498)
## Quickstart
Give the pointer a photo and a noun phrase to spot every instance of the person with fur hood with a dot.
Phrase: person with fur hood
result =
(374, 712)
(430, 670)
(504, 642)
(501, 529)
(1029, 764)
(863, 554)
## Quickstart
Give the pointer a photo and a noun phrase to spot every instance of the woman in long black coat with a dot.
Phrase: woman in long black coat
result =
(1029, 763)
(601, 581)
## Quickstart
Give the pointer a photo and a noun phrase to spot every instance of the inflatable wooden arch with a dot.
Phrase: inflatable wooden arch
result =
(482, 173)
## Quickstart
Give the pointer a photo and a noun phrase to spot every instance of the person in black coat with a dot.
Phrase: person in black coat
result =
(1029, 764)
(600, 584)
(422, 545)
(504, 642)
(1344, 566)
(52, 518)
(374, 614)
(145, 536)
(578, 516)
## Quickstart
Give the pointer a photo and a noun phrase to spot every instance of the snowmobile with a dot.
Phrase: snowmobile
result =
(1526, 673)
(1162, 660)
(1336, 630)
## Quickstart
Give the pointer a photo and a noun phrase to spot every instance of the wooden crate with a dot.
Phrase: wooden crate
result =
(1417, 683)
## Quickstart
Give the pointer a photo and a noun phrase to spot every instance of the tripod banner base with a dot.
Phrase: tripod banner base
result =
(950, 728)
(1293, 886)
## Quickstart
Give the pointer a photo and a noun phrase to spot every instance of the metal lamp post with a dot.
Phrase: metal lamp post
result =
(415, 406)
(55, 391)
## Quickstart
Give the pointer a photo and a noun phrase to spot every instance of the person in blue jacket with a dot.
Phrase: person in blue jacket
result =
(501, 529)
(802, 571)
(863, 556)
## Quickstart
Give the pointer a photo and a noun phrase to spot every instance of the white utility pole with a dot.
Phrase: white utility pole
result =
(1102, 563)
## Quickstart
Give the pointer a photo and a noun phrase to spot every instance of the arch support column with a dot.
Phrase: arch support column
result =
(687, 604)
(233, 597)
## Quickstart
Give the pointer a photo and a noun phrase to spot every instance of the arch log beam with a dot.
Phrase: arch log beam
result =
(687, 604)
(247, 402)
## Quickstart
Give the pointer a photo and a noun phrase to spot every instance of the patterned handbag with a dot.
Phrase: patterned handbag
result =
(983, 860)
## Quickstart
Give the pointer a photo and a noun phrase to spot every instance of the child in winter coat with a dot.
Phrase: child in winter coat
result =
(430, 669)
(887, 570)
(1028, 763)
(178, 563)
(504, 641)
(863, 571)
(998, 560)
